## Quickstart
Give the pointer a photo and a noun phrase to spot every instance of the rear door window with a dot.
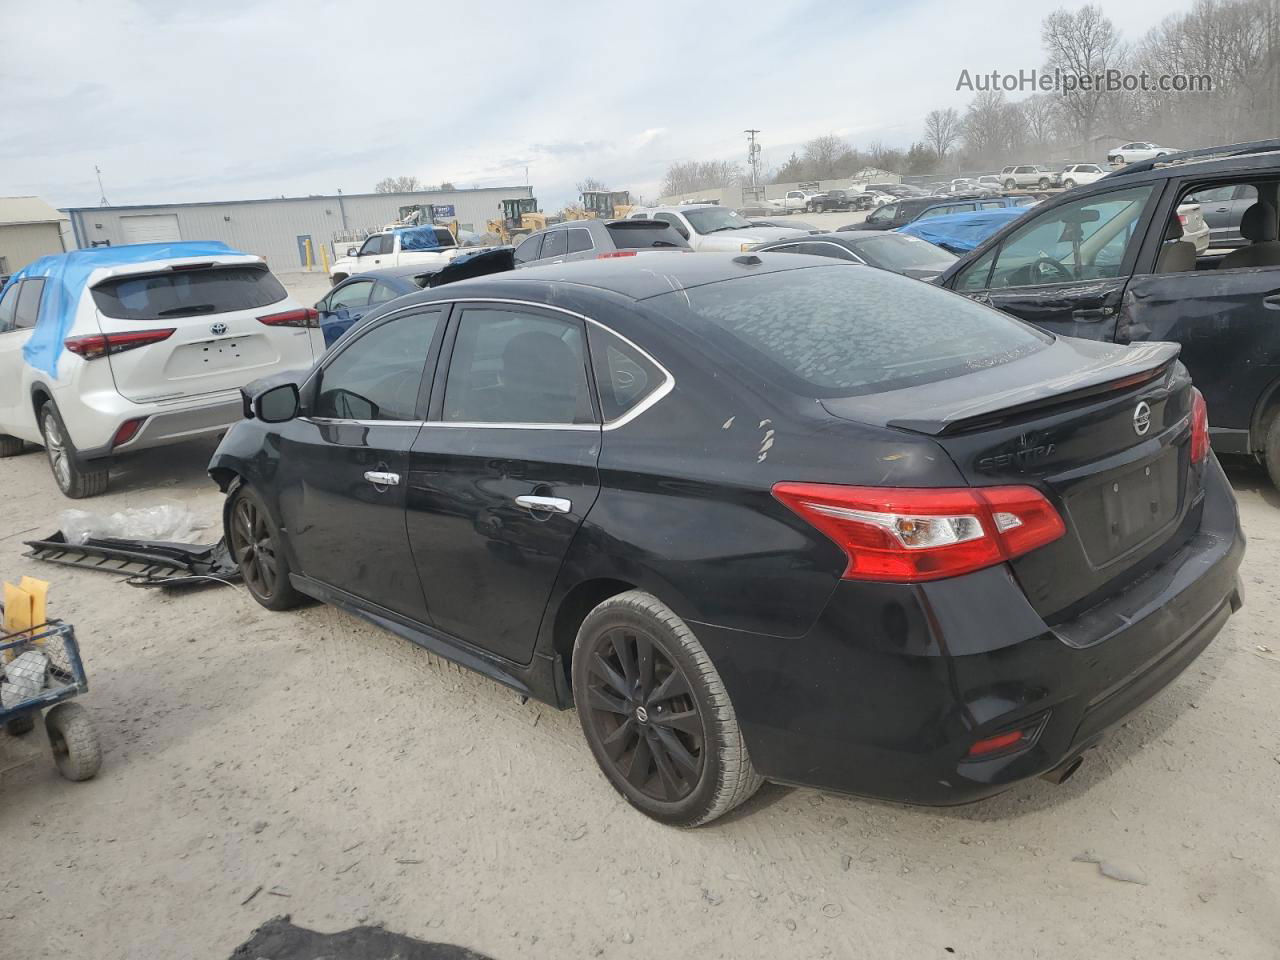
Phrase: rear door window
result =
(352, 295)
(579, 240)
(28, 304)
(554, 244)
(517, 366)
(829, 331)
(379, 374)
(187, 292)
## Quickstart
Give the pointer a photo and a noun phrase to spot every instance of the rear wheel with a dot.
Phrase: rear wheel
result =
(1011, 184)
(75, 479)
(656, 714)
(22, 724)
(74, 740)
(9, 446)
(1068, 184)
(1271, 448)
(256, 545)
(1044, 183)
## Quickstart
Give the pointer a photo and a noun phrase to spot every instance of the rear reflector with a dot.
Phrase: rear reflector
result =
(128, 430)
(909, 535)
(615, 253)
(997, 743)
(1199, 426)
(305, 317)
(95, 345)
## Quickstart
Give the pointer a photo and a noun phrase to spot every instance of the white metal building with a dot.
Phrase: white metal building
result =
(278, 229)
(29, 229)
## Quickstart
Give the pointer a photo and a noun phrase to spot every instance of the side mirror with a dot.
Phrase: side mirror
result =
(352, 252)
(322, 307)
(278, 404)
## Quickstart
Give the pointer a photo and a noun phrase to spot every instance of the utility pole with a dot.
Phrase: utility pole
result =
(102, 198)
(753, 159)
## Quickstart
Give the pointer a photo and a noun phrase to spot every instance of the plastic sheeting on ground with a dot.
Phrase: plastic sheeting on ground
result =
(962, 232)
(66, 276)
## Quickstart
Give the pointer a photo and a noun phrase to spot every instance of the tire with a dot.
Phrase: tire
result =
(1011, 184)
(74, 740)
(684, 773)
(1068, 184)
(10, 446)
(255, 543)
(75, 479)
(1044, 183)
(1271, 449)
(21, 724)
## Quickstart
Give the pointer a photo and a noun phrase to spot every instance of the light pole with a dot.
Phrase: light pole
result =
(753, 160)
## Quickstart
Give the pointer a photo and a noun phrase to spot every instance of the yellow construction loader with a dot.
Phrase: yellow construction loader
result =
(520, 217)
(605, 204)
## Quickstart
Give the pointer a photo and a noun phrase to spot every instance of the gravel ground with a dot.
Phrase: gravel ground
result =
(307, 763)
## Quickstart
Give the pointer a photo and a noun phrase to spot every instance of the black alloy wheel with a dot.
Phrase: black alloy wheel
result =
(255, 545)
(656, 714)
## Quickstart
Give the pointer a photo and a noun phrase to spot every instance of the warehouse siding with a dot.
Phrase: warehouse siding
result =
(272, 228)
(21, 243)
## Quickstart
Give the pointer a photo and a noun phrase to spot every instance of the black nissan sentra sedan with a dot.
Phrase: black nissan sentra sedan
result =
(757, 517)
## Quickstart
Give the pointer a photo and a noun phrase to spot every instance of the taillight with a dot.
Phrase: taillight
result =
(915, 534)
(95, 345)
(615, 253)
(128, 430)
(1199, 426)
(305, 317)
(1182, 219)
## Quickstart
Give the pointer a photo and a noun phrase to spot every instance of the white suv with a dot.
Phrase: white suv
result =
(1076, 174)
(109, 350)
(1028, 175)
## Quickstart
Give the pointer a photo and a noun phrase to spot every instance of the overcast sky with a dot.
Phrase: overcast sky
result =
(230, 99)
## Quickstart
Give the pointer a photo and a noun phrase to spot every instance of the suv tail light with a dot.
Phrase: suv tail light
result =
(305, 317)
(915, 534)
(95, 345)
(1199, 426)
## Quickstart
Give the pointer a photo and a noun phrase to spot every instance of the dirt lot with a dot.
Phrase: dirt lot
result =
(349, 777)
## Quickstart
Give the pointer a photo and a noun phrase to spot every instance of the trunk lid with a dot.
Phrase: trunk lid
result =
(218, 343)
(1102, 430)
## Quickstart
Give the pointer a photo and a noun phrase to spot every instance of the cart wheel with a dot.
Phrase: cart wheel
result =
(76, 750)
(20, 725)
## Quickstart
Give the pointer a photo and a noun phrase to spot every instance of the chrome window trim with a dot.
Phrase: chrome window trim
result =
(668, 384)
(363, 423)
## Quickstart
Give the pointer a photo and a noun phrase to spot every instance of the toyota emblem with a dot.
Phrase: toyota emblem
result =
(218, 329)
(1142, 418)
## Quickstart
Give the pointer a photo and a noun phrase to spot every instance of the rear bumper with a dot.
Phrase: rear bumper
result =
(169, 423)
(894, 683)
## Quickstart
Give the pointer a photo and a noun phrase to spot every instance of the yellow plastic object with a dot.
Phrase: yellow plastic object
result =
(39, 592)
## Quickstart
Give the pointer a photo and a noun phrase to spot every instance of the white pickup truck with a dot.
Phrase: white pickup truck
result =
(713, 228)
(397, 247)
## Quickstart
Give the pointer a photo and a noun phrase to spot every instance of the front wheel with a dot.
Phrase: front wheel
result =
(1271, 449)
(75, 479)
(656, 714)
(9, 446)
(256, 545)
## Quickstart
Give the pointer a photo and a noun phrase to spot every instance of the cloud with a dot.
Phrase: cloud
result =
(204, 101)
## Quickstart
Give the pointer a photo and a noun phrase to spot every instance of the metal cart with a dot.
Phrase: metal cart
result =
(41, 671)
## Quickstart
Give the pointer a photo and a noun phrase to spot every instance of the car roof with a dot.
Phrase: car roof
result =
(636, 278)
(395, 273)
(1208, 161)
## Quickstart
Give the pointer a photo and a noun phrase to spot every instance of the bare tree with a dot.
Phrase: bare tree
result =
(690, 176)
(1040, 116)
(397, 185)
(986, 127)
(822, 154)
(591, 185)
(1083, 44)
(942, 130)
(447, 185)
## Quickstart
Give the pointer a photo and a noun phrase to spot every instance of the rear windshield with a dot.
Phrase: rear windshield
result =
(188, 292)
(844, 330)
(897, 251)
(640, 235)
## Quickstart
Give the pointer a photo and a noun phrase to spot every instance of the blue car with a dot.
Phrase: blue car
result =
(355, 296)
(343, 306)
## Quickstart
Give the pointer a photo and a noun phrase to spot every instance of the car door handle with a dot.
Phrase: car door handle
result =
(381, 478)
(553, 504)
